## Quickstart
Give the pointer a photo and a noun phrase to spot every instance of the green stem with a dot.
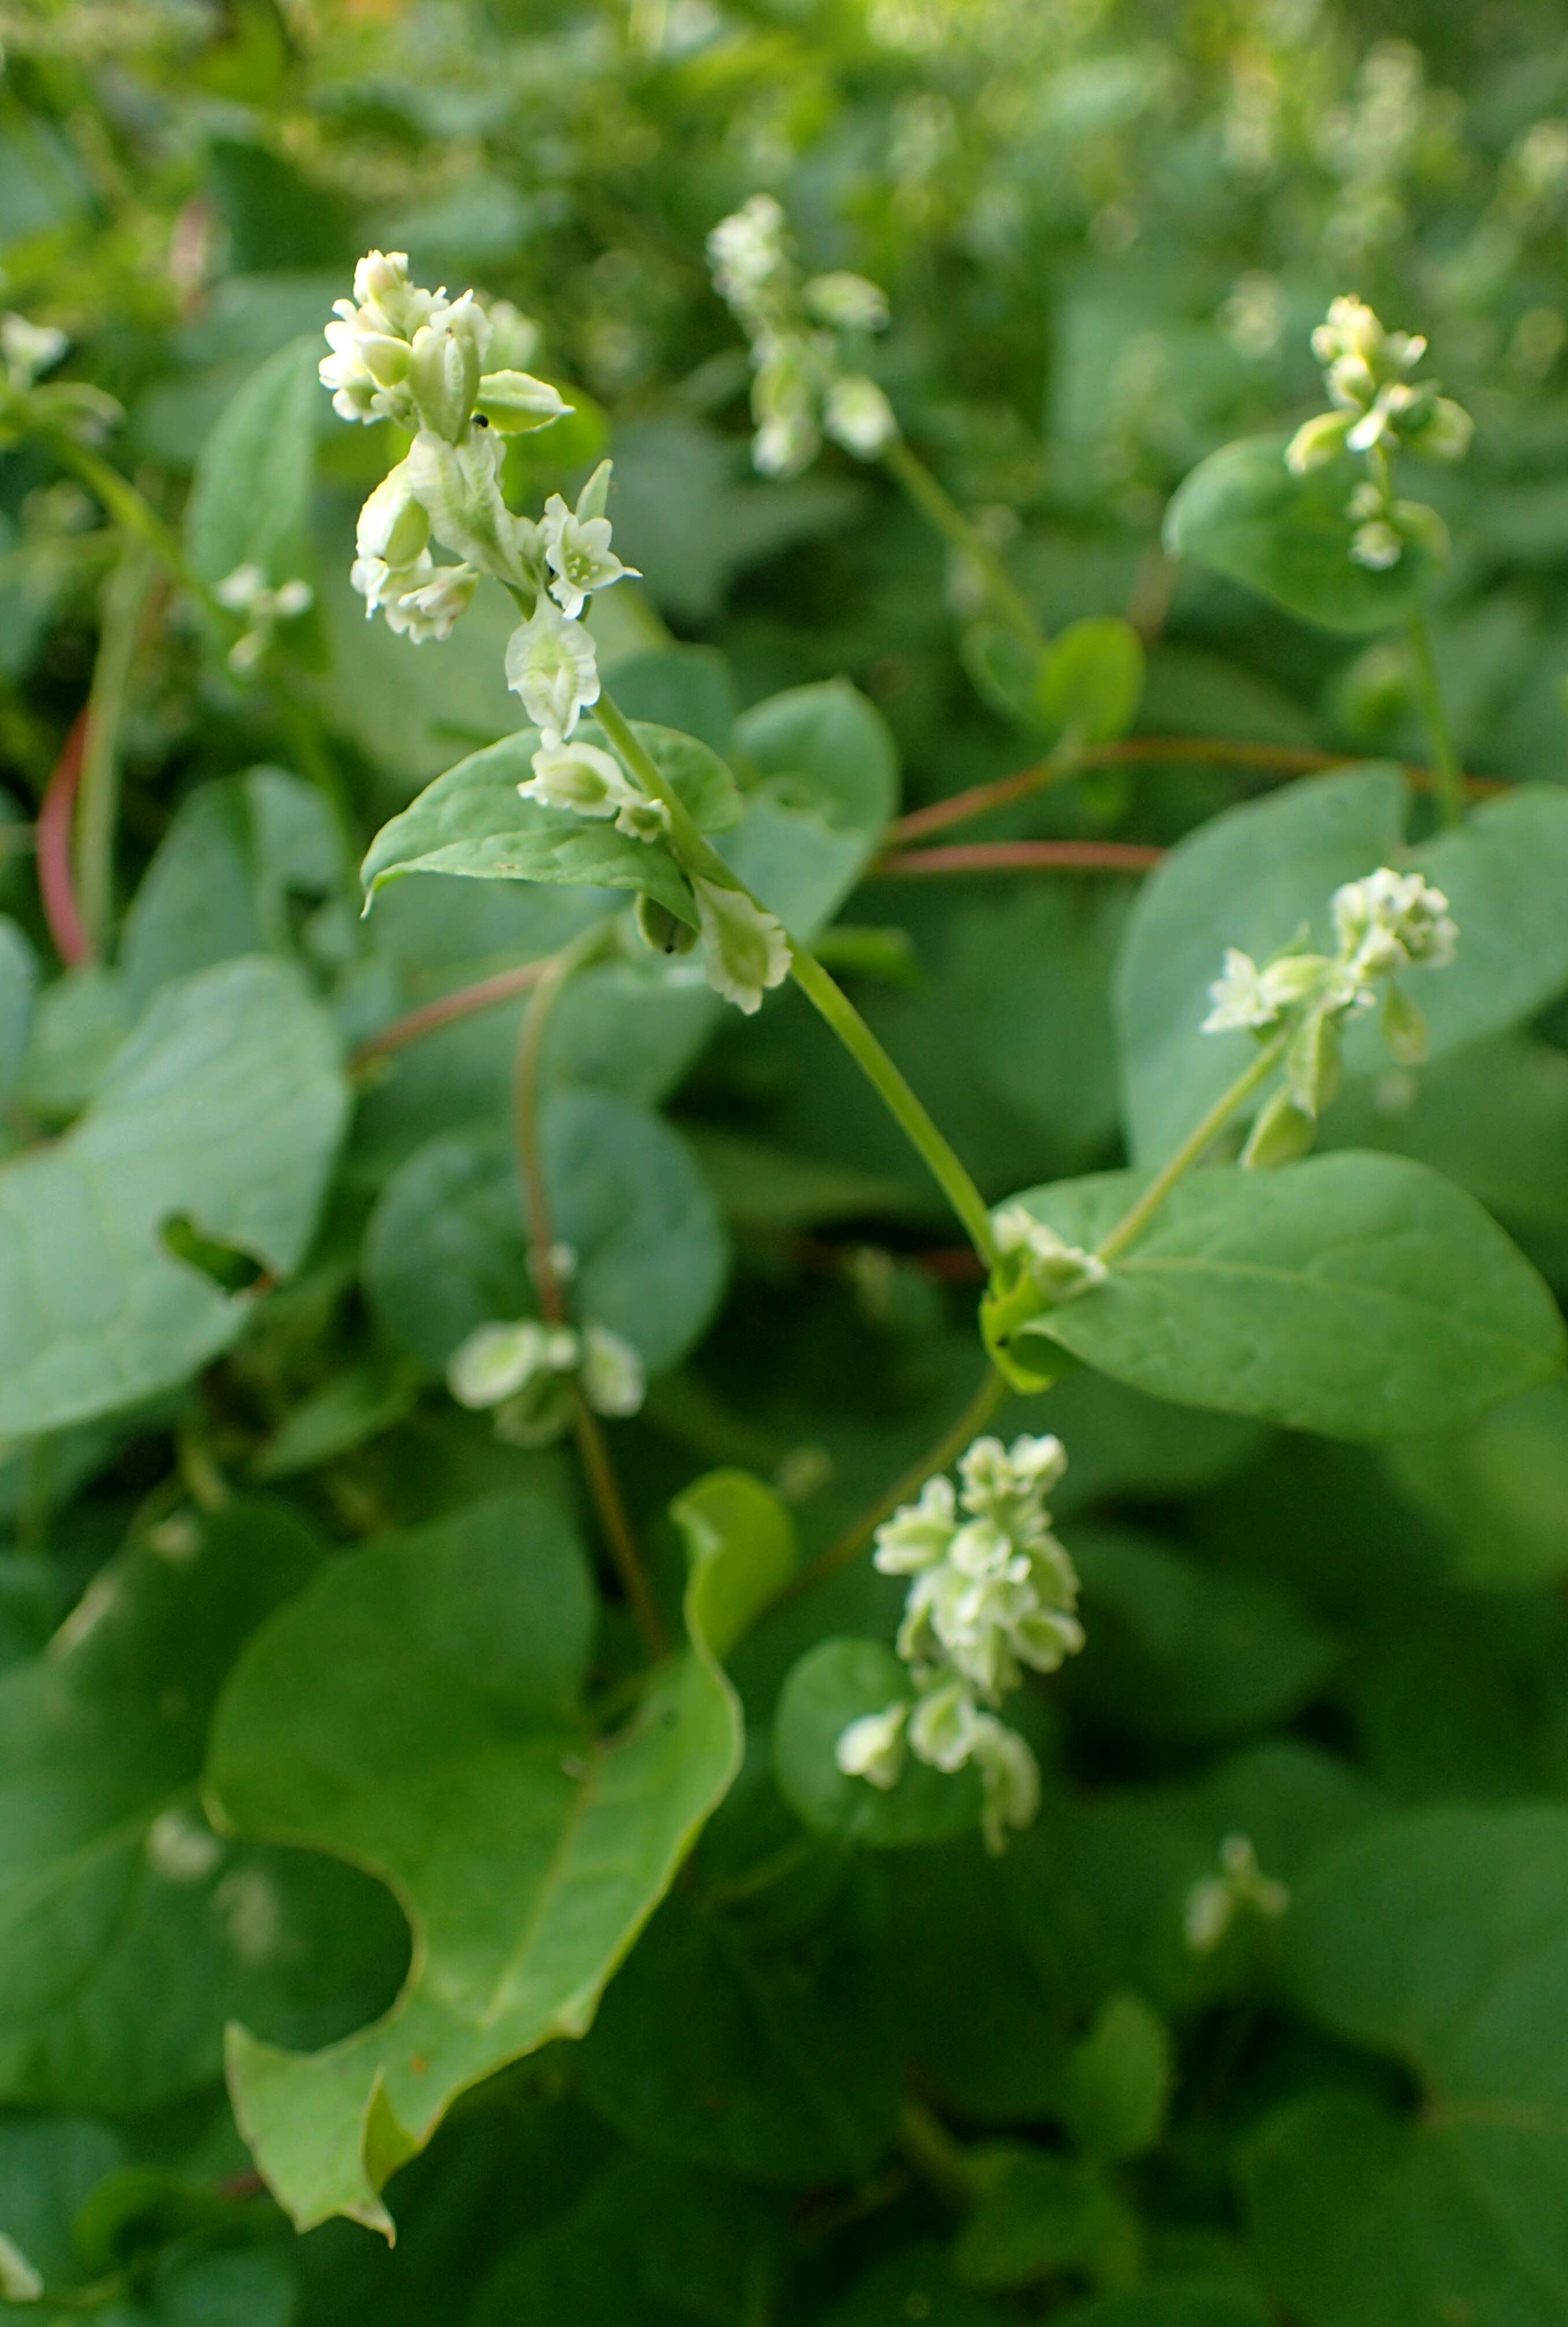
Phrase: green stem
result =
(592, 1453)
(131, 510)
(99, 798)
(935, 502)
(959, 1434)
(697, 854)
(941, 2162)
(900, 1100)
(1132, 1224)
(1449, 780)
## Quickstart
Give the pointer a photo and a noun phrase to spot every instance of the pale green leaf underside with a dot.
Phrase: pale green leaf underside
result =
(1243, 514)
(1363, 1296)
(1257, 875)
(250, 499)
(225, 1105)
(414, 1713)
(472, 823)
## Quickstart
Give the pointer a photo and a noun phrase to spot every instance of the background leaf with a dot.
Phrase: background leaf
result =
(250, 497)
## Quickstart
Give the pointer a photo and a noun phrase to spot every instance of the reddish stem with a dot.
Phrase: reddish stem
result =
(1269, 758)
(56, 821)
(446, 1011)
(1019, 856)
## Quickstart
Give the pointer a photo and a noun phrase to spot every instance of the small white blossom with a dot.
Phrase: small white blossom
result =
(517, 403)
(858, 415)
(1390, 920)
(1377, 546)
(1237, 997)
(459, 487)
(873, 1747)
(752, 257)
(497, 1361)
(420, 601)
(245, 592)
(576, 546)
(614, 1379)
(846, 303)
(394, 525)
(1010, 1781)
(550, 664)
(1215, 1900)
(1060, 1269)
(918, 1534)
(580, 777)
(942, 1727)
(29, 347)
(745, 950)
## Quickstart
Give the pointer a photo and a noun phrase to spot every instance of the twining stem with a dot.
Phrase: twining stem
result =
(934, 502)
(593, 1451)
(1016, 856)
(447, 1010)
(1132, 1224)
(1450, 785)
(56, 821)
(98, 796)
(698, 854)
(900, 1100)
(993, 1389)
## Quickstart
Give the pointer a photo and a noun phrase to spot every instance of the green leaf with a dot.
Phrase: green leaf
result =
(1497, 1493)
(18, 978)
(1039, 2214)
(224, 1107)
(1243, 514)
(830, 787)
(241, 849)
(689, 689)
(1089, 687)
(250, 498)
(1174, 1649)
(1117, 2083)
(130, 1932)
(1261, 873)
(447, 1247)
(416, 1712)
(770, 2065)
(916, 2285)
(1004, 671)
(49, 2169)
(1358, 1295)
(832, 1685)
(1440, 1939)
(471, 822)
(1252, 877)
(1205, 2304)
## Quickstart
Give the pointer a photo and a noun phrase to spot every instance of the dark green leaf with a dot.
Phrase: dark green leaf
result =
(224, 1107)
(1358, 1295)
(1088, 686)
(834, 1684)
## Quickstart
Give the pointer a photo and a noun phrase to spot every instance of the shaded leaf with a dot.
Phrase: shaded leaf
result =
(250, 497)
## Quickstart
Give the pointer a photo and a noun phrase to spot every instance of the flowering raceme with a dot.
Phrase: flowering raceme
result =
(993, 1593)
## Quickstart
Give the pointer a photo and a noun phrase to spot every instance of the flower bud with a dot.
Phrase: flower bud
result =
(495, 1362)
(1314, 1062)
(614, 1381)
(1281, 1133)
(578, 776)
(550, 664)
(846, 303)
(858, 415)
(941, 1729)
(744, 948)
(443, 374)
(661, 931)
(1444, 433)
(873, 1747)
(1317, 442)
(517, 403)
(393, 525)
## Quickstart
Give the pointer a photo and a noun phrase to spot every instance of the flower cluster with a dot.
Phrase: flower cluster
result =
(1378, 408)
(419, 359)
(27, 351)
(246, 593)
(801, 333)
(1386, 924)
(527, 1372)
(993, 1593)
(1215, 1900)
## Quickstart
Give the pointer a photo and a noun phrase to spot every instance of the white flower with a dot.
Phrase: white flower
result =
(238, 590)
(394, 525)
(577, 551)
(858, 415)
(1237, 997)
(550, 664)
(1011, 1780)
(1390, 920)
(751, 258)
(1215, 1900)
(614, 1379)
(873, 1747)
(942, 1727)
(421, 600)
(745, 950)
(459, 487)
(516, 402)
(918, 1534)
(444, 364)
(580, 777)
(846, 303)
(1060, 1269)
(1377, 546)
(29, 347)
(497, 1361)
(245, 592)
